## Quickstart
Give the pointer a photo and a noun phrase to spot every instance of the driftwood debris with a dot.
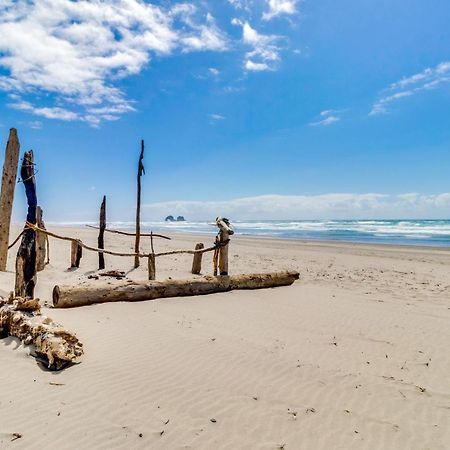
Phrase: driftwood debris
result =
(140, 171)
(101, 239)
(71, 296)
(76, 252)
(21, 318)
(7, 193)
(197, 260)
(41, 241)
(125, 233)
(26, 254)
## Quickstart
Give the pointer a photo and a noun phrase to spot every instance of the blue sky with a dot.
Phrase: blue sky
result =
(253, 108)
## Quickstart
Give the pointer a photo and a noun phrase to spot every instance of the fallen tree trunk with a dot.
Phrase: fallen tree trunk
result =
(21, 318)
(70, 296)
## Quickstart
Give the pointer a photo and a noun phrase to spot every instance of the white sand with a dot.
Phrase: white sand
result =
(355, 355)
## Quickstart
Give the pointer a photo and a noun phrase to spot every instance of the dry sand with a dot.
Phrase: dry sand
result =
(355, 355)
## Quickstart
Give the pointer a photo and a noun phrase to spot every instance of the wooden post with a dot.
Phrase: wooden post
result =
(101, 240)
(141, 170)
(151, 267)
(197, 260)
(7, 193)
(76, 252)
(225, 231)
(41, 240)
(26, 254)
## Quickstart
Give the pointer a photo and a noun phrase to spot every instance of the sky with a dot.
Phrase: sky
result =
(255, 109)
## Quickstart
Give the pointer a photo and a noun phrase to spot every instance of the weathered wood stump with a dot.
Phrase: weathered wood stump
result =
(7, 193)
(197, 260)
(70, 296)
(76, 252)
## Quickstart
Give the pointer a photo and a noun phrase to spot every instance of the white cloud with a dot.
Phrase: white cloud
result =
(430, 78)
(217, 117)
(75, 52)
(213, 71)
(326, 206)
(265, 50)
(327, 117)
(280, 7)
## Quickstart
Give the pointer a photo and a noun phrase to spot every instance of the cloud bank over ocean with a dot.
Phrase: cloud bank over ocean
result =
(325, 206)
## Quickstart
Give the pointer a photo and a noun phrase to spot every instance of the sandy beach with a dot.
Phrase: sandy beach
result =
(352, 356)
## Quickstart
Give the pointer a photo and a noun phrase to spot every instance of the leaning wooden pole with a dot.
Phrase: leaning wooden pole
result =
(7, 193)
(26, 254)
(101, 238)
(140, 171)
(70, 296)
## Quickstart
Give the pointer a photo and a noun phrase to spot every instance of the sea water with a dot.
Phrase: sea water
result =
(412, 232)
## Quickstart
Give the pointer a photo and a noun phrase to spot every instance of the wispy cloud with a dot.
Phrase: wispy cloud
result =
(280, 7)
(213, 71)
(326, 206)
(265, 52)
(77, 51)
(327, 117)
(216, 117)
(430, 78)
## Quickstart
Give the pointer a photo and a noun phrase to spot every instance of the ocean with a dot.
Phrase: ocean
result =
(410, 232)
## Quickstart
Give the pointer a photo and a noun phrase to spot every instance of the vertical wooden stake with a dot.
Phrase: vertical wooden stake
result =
(141, 170)
(101, 240)
(225, 231)
(7, 193)
(76, 252)
(197, 260)
(26, 254)
(151, 267)
(41, 240)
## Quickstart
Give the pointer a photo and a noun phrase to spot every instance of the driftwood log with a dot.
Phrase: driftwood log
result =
(71, 296)
(7, 193)
(197, 260)
(26, 254)
(21, 318)
(140, 171)
(101, 234)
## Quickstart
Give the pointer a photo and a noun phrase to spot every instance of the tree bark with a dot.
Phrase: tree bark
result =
(7, 193)
(197, 260)
(70, 296)
(26, 254)
(21, 318)
(101, 239)
(138, 205)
